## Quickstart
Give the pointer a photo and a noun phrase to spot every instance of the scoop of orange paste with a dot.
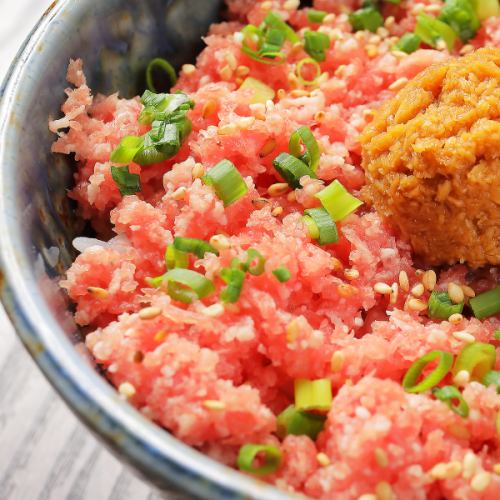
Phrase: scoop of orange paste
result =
(432, 160)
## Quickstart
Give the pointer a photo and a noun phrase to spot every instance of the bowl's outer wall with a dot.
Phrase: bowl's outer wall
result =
(116, 39)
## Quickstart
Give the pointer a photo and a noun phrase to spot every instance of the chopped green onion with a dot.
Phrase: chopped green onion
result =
(126, 182)
(338, 202)
(477, 359)
(315, 44)
(461, 16)
(262, 92)
(299, 423)
(311, 155)
(159, 145)
(186, 285)
(431, 30)
(316, 16)
(127, 149)
(292, 169)
(255, 263)
(448, 395)
(408, 43)
(273, 20)
(312, 227)
(441, 306)
(486, 8)
(367, 18)
(486, 304)
(492, 378)
(160, 64)
(234, 279)
(175, 258)
(313, 395)
(227, 182)
(194, 246)
(410, 380)
(300, 66)
(161, 107)
(326, 227)
(282, 274)
(248, 453)
(496, 335)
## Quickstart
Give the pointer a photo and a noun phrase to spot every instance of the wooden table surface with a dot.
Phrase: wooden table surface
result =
(46, 454)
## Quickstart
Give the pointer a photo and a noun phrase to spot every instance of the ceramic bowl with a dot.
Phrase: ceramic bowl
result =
(115, 38)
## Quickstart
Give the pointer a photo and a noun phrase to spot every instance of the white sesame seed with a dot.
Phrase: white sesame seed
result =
(383, 490)
(462, 378)
(455, 293)
(464, 337)
(416, 305)
(470, 464)
(198, 171)
(238, 37)
(455, 319)
(231, 60)
(394, 293)
(276, 211)
(242, 70)
(381, 457)
(323, 459)
(447, 470)
(368, 496)
(468, 291)
(496, 469)
(404, 282)
(441, 45)
(291, 4)
(292, 331)
(228, 129)
(351, 274)
(149, 312)
(214, 311)
(226, 72)
(188, 69)
(278, 189)
(429, 280)
(267, 5)
(398, 84)
(337, 361)
(126, 389)
(259, 203)
(220, 242)
(179, 193)
(382, 288)
(480, 481)
(268, 147)
(215, 405)
(418, 290)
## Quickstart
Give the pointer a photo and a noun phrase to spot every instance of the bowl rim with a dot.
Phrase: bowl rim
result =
(160, 457)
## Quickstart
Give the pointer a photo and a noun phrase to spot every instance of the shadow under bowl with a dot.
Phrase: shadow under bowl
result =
(116, 39)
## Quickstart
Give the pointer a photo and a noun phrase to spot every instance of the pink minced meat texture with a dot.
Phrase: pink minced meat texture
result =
(216, 378)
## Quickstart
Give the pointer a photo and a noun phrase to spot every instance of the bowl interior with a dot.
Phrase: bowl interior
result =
(116, 39)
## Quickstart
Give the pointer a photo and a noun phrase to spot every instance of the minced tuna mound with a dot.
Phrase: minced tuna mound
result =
(222, 299)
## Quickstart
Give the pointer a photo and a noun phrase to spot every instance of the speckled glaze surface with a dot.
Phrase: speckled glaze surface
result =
(115, 38)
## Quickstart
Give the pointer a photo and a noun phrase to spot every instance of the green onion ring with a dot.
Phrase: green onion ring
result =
(303, 135)
(410, 379)
(448, 394)
(301, 64)
(477, 359)
(164, 65)
(248, 453)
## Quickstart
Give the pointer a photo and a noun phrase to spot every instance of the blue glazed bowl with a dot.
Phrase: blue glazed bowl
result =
(115, 38)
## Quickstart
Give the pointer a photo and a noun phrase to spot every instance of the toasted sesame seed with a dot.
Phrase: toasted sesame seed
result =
(98, 292)
(381, 457)
(291, 197)
(418, 290)
(441, 45)
(371, 50)
(337, 361)
(351, 274)
(209, 108)
(419, 273)
(179, 193)
(455, 319)
(447, 470)
(267, 5)
(429, 279)
(398, 84)
(462, 378)
(368, 496)
(464, 337)
(455, 293)
(149, 312)
(337, 264)
(416, 305)
(394, 293)
(329, 18)
(319, 116)
(228, 129)
(277, 211)
(280, 94)
(198, 171)
(245, 122)
(126, 389)
(468, 291)
(291, 4)
(466, 49)
(214, 311)
(389, 22)
(299, 93)
(404, 282)
(323, 459)
(383, 490)
(242, 70)
(399, 54)
(213, 404)
(382, 32)
(226, 73)
(138, 357)
(382, 288)
(292, 331)
(160, 336)
(496, 469)
(259, 203)
(188, 69)
(469, 464)
(268, 147)
(346, 290)
(220, 242)
(480, 481)
(231, 60)
(278, 189)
